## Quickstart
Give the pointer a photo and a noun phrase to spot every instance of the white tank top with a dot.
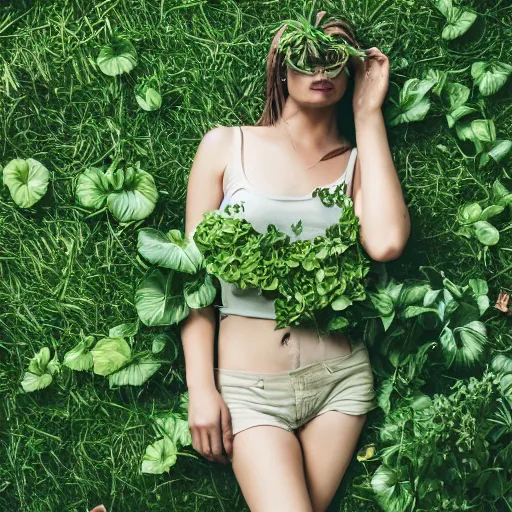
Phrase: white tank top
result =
(261, 210)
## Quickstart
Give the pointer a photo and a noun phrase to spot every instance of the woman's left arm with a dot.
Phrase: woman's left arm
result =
(376, 191)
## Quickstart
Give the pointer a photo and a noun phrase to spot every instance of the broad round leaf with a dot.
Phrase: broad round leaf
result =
(490, 76)
(159, 457)
(171, 250)
(92, 188)
(149, 99)
(159, 299)
(486, 233)
(27, 181)
(32, 382)
(79, 358)
(200, 293)
(459, 21)
(134, 374)
(117, 57)
(138, 202)
(110, 354)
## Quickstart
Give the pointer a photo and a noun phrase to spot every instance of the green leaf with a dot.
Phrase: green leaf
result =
(124, 330)
(79, 357)
(160, 300)
(159, 343)
(199, 294)
(486, 233)
(109, 355)
(137, 202)
(176, 428)
(393, 493)
(27, 181)
(117, 57)
(159, 457)
(135, 374)
(149, 99)
(412, 105)
(490, 77)
(92, 188)
(459, 22)
(470, 213)
(172, 250)
(502, 363)
(32, 382)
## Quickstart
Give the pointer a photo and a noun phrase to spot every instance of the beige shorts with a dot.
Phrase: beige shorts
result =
(290, 399)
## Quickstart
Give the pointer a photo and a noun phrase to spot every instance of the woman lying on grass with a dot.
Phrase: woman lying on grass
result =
(287, 404)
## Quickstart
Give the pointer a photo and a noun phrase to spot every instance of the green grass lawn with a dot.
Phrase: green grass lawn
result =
(66, 274)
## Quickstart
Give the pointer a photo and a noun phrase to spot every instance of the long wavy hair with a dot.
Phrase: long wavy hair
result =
(277, 90)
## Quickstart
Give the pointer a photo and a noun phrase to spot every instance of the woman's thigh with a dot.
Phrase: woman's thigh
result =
(269, 467)
(328, 443)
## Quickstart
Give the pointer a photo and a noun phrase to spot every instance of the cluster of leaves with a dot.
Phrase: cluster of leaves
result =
(174, 433)
(112, 356)
(305, 46)
(129, 192)
(166, 294)
(447, 453)
(401, 316)
(311, 281)
(119, 57)
(473, 217)
(436, 453)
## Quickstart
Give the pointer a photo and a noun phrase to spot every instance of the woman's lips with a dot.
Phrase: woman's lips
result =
(323, 89)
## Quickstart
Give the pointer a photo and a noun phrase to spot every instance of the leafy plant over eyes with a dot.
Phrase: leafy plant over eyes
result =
(304, 46)
(128, 191)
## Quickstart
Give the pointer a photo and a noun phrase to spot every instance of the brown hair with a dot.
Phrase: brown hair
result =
(276, 70)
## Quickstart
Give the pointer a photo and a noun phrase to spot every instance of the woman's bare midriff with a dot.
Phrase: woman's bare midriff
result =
(254, 345)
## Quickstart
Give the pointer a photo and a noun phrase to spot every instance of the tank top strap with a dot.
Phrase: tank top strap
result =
(349, 174)
(233, 178)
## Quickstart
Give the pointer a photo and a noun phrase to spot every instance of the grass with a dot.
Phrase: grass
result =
(77, 443)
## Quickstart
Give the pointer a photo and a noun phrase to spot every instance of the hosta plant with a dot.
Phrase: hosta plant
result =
(128, 191)
(27, 181)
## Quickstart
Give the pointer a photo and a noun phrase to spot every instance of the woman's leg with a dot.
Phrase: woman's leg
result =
(328, 443)
(269, 467)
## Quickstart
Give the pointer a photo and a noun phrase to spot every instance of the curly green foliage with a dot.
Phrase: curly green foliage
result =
(309, 280)
(305, 46)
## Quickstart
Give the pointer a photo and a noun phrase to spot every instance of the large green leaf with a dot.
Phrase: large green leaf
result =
(159, 457)
(393, 493)
(160, 300)
(412, 104)
(148, 98)
(490, 76)
(79, 357)
(200, 292)
(110, 354)
(486, 233)
(172, 250)
(176, 428)
(32, 382)
(40, 371)
(117, 57)
(27, 181)
(136, 373)
(459, 22)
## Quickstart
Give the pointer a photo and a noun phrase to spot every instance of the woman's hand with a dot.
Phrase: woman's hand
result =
(371, 82)
(209, 420)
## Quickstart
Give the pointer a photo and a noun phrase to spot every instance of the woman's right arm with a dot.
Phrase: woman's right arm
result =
(209, 418)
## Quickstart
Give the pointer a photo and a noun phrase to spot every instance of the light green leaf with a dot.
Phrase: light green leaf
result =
(124, 330)
(486, 233)
(159, 343)
(117, 57)
(470, 213)
(159, 457)
(32, 382)
(490, 76)
(459, 22)
(172, 250)
(79, 357)
(159, 299)
(149, 99)
(137, 202)
(109, 355)
(27, 181)
(92, 188)
(341, 303)
(199, 294)
(176, 428)
(136, 373)
(393, 493)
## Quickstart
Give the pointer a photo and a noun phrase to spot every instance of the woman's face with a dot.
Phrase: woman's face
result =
(316, 90)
